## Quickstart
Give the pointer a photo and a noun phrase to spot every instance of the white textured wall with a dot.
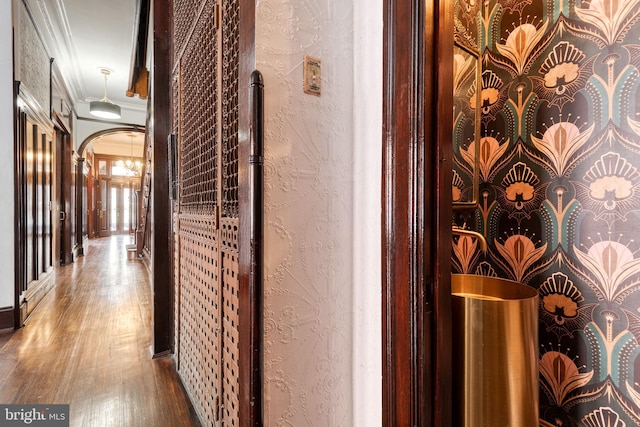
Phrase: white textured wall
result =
(6, 157)
(322, 240)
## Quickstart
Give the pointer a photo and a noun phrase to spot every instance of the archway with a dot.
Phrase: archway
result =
(122, 129)
(84, 199)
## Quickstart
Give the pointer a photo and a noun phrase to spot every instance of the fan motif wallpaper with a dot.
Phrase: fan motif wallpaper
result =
(560, 188)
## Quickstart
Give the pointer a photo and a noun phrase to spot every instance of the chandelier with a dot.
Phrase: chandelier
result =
(130, 166)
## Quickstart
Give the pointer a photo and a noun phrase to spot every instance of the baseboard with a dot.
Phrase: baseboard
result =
(36, 291)
(146, 260)
(6, 318)
(78, 251)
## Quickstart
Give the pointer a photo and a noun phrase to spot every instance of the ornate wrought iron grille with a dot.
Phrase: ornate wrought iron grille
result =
(184, 14)
(200, 117)
(230, 37)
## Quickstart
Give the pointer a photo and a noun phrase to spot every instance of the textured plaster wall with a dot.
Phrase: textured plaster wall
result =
(322, 157)
(6, 156)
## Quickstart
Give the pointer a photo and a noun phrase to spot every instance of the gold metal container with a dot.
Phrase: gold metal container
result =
(495, 345)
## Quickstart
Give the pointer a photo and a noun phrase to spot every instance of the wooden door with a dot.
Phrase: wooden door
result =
(94, 210)
(47, 206)
(64, 155)
(34, 225)
(103, 206)
(115, 206)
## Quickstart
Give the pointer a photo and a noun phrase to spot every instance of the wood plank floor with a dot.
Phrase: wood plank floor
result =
(88, 345)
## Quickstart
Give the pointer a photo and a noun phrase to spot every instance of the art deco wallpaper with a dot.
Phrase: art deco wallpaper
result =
(559, 196)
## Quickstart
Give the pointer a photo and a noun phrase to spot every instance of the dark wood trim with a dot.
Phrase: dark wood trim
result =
(107, 122)
(250, 279)
(442, 132)
(138, 73)
(416, 219)
(440, 68)
(114, 157)
(79, 213)
(64, 156)
(59, 123)
(6, 318)
(119, 129)
(59, 118)
(161, 245)
(34, 111)
(397, 242)
(61, 133)
(19, 230)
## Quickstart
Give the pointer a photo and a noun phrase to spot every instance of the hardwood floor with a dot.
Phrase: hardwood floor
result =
(88, 345)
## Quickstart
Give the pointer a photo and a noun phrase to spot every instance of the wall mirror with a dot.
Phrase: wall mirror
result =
(467, 89)
(466, 127)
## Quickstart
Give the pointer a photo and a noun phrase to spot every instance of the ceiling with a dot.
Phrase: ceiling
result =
(84, 36)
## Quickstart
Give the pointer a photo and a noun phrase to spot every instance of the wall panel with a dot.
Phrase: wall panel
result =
(29, 182)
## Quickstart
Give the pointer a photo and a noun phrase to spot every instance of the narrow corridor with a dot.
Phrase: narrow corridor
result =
(88, 345)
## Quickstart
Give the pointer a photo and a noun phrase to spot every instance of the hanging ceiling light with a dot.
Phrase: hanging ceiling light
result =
(130, 167)
(105, 108)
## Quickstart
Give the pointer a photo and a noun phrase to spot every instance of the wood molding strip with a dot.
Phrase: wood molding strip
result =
(416, 202)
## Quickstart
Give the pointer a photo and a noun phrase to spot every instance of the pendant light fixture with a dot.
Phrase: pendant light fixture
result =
(130, 167)
(105, 108)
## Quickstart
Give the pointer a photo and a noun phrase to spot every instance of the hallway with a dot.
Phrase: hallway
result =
(88, 345)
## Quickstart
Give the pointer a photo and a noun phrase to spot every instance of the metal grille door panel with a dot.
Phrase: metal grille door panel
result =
(205, 97)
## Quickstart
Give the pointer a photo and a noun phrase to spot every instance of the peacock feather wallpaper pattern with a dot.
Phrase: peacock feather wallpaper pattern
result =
(559, 169)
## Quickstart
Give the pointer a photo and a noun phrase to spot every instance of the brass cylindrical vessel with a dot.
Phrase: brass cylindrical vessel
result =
(495, 344)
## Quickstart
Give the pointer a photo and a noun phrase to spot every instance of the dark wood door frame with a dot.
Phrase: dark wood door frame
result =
(64, 155)
(416, 200)
(19, 196)
(80, 207)
(161, 242)
(61, 137)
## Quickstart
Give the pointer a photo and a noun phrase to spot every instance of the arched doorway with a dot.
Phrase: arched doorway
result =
(110, 164)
